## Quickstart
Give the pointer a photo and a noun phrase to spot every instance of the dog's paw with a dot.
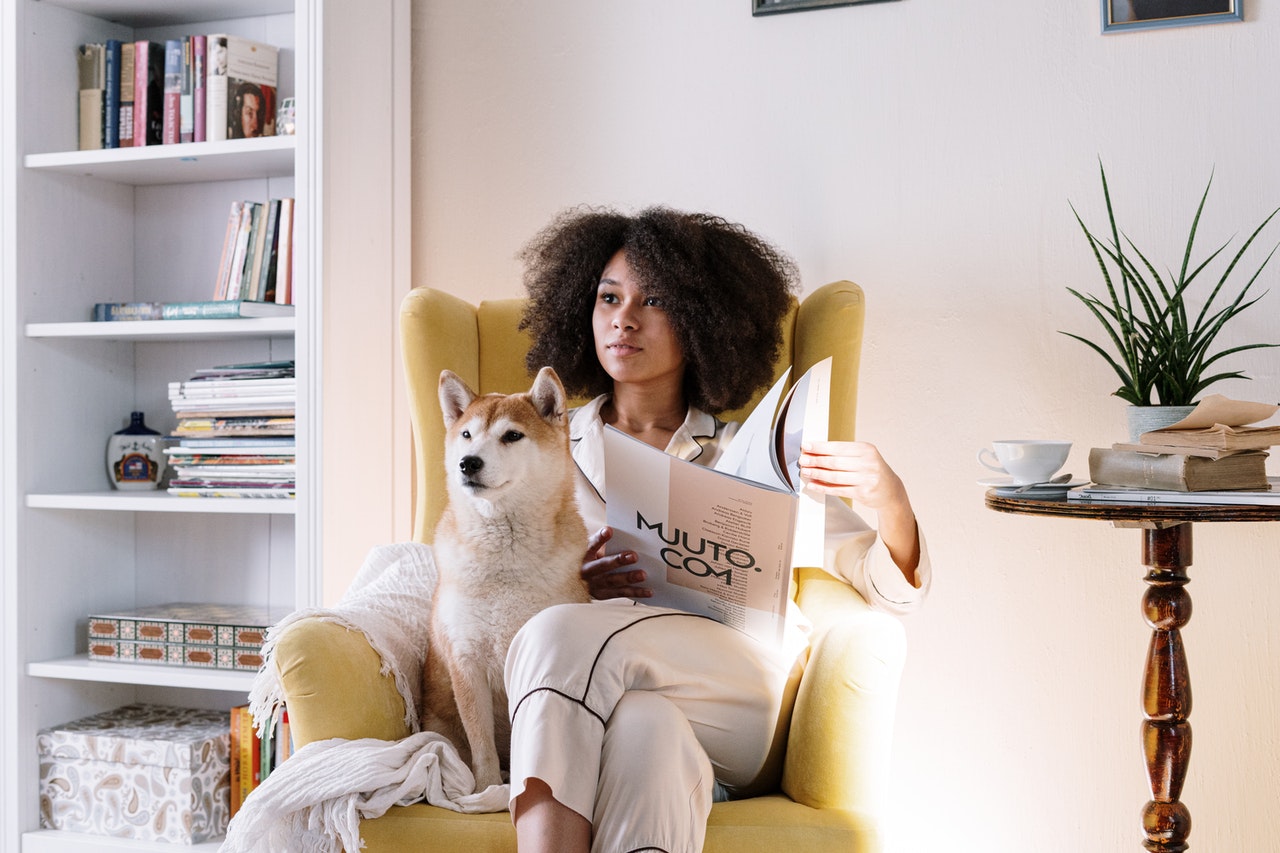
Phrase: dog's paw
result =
(487, 778)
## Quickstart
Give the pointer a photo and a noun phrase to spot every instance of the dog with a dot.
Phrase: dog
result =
(510, 543)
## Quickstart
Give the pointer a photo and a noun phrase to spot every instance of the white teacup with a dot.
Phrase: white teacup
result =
(1026, 460)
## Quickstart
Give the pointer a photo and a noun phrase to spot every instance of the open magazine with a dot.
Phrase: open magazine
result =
(721, 542)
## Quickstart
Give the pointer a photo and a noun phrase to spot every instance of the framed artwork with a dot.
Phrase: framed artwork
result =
(773, 7)
(1118, 15)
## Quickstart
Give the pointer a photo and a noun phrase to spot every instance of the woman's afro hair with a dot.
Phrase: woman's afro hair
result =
(725, 292)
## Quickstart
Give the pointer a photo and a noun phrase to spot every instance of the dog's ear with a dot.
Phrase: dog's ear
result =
(548, 397)
(455, 396)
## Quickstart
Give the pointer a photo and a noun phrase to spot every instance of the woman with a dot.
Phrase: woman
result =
(627, 719)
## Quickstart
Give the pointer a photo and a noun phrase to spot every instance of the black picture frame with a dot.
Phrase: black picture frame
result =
(1121, 15)
(775, 7)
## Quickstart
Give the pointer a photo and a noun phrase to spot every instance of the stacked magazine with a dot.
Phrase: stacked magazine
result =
(235, 433)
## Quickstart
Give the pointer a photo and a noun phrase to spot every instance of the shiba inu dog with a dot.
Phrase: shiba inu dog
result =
(510, 543)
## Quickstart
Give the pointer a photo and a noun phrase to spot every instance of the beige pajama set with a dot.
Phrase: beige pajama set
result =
(631, 713)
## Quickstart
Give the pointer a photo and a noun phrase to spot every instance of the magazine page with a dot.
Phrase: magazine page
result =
(710, 543)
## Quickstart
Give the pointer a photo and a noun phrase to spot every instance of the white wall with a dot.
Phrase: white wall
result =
(928, 151)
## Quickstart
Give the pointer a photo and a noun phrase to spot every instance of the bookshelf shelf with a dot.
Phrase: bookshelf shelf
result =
(167, 330)
(53, 841)
(267, 157)
(161, 502)
(81, 668)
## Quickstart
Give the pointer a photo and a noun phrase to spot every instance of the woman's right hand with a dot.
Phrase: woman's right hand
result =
(604, 573)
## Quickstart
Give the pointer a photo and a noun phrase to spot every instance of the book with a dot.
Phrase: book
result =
(237, 797)
(199, 55)
(223, 277)
(104, 312)
(1160, 449)
(1177, 472)
(186, 96)
(127, 74)
(240, 88)
(111, 95)
(1220, 423)
(224, 309)
(148, 92)
(263, 287)
(258, 260)
(172, 116)
(284, 254)
(235, 275)
(256, 212)
(1269, 496)
(92, 71)
(722, 541)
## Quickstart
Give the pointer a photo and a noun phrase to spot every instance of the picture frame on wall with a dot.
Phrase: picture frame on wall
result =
(774, 7)
(1121, 15)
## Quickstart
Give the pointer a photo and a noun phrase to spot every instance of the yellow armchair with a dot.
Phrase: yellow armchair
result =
(836, 774)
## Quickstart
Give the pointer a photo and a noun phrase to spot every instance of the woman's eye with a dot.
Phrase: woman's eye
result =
(511, 436)
(608, 298)
(653, 302)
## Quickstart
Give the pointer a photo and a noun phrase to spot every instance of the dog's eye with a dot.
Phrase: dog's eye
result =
(511, 436)
(466, 433)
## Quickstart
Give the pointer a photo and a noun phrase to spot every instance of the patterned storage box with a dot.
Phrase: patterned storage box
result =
(148, 772)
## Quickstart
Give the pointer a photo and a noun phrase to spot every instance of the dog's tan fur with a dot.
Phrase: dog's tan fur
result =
(510, 543)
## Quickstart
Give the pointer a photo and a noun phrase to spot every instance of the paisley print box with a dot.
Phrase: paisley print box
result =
(148, 772)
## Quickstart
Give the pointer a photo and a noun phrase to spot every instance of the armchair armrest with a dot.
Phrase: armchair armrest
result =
(842, 726)
(334, 685)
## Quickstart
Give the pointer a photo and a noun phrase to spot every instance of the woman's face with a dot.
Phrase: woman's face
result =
(634, 339)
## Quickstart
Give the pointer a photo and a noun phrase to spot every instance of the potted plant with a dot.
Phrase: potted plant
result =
(1163, 358)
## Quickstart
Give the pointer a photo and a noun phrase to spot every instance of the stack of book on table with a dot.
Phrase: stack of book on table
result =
(1212, 456)
(235, 433)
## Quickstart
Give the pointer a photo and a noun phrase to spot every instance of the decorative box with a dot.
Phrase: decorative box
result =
(146, 772)
(220, 636)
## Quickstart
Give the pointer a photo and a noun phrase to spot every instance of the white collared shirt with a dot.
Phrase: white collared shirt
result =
(854, 551)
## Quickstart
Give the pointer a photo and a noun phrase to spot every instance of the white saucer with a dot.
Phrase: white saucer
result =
(1006, 488)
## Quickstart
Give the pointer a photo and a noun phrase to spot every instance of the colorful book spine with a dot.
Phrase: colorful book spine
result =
(228, 250)
(91, 68)
(104, 312)
(148, 92)
(127, 74)
(224, 309)
(172, 122)
(199, 52)
(284, 254)
(111, 96)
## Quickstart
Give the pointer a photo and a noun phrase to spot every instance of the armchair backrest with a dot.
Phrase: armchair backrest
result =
(481, 344)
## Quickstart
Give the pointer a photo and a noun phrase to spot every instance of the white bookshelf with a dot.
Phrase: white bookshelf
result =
(146, 224)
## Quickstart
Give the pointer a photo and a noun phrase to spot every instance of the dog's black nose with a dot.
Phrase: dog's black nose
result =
(471, 464)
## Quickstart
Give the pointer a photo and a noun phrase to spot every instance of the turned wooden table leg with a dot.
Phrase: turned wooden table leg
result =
(1166, 688)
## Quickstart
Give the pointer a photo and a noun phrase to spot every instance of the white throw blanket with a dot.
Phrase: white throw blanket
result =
(313, 803)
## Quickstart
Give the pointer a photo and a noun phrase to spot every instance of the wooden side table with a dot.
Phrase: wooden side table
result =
(1166, 605)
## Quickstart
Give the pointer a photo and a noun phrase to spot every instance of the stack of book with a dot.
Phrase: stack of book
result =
(235, 432)
(1211, 457)
(196, 88)
(254, 755)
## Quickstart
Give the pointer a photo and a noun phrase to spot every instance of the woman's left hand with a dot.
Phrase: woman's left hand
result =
(856, 470)
(853, 470)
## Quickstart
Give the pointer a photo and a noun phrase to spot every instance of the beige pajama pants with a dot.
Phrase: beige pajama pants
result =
(629, 713)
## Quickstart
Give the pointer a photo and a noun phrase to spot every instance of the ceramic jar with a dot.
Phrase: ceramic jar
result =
(135, 456)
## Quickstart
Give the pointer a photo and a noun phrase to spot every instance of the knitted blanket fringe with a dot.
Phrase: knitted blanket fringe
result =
(313, 803)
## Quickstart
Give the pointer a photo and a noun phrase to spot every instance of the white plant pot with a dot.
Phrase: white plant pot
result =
(1146, 418)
